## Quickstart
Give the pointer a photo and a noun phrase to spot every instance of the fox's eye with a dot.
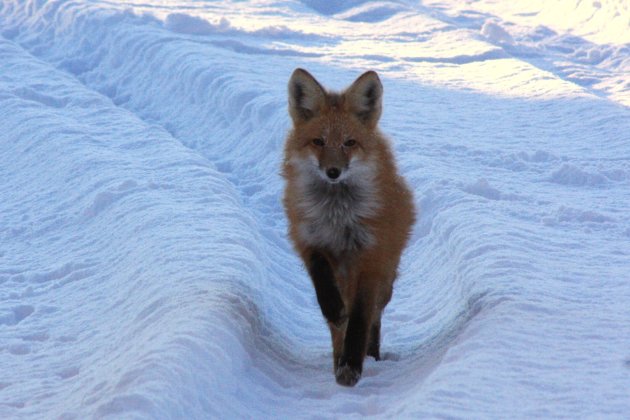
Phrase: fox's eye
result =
(350, 143)
(318, 142)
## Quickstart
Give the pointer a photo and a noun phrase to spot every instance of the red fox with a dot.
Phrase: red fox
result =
(350, 213)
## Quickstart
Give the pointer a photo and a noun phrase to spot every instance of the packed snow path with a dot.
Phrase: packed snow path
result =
(144, 265)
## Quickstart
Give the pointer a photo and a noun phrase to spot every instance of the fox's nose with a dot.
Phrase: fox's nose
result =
(333, 173)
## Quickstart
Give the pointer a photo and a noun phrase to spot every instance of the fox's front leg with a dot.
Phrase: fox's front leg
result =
(384, 296)
(355, 343)
(374, 342)
(326, 289)
(337, 333)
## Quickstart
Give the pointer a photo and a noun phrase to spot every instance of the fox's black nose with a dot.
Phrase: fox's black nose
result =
(333, 173)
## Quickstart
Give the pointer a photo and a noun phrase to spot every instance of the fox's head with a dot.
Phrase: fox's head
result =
(334, 135)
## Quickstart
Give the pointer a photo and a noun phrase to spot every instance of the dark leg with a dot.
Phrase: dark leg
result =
(374, 343)
(337, 334)
(374, 346)
(326, 289)
(351, 362)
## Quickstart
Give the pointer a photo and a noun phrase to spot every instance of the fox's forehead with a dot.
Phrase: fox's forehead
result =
(336, 126)
(333, 128)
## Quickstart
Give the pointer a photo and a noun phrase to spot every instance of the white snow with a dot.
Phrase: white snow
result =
(145, 270)
(495, 33)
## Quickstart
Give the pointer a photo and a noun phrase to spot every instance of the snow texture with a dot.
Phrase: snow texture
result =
(145, 270)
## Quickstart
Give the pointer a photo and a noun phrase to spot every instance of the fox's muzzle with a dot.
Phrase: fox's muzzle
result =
(332, 162)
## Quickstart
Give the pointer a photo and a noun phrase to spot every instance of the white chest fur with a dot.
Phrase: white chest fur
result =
(334, 214)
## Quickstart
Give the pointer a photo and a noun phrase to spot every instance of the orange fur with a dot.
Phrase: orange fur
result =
(340, 131)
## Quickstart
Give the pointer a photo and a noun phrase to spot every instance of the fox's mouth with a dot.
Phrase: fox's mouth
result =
(334, 181)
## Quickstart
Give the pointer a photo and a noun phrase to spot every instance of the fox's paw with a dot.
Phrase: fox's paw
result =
(347, 375)
(375, 352)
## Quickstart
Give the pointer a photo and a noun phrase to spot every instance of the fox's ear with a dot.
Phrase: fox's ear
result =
(306, 96)
(365, 98)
